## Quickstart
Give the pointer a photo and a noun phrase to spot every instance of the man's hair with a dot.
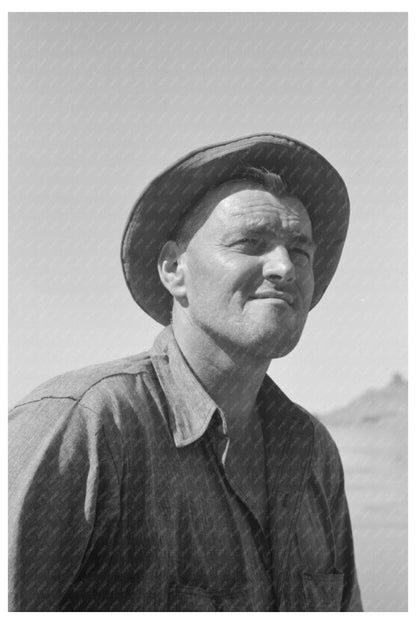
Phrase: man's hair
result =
(193, 219)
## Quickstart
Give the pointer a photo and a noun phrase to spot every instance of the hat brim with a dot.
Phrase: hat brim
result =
(169, 196)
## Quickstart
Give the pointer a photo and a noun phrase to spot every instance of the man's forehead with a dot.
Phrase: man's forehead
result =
(254, 205)
(239, 190)
(241, 204)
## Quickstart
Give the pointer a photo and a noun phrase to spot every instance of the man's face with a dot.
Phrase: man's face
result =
(248, 271)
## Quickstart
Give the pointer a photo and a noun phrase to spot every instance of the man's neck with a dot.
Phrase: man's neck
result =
(233, 382)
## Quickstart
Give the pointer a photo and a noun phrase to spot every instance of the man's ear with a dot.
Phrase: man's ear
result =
(171, 270)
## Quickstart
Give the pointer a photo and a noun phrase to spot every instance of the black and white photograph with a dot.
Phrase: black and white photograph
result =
(208, 349)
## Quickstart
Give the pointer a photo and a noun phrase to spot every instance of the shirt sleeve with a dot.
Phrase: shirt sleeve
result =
(329, 467)
(59, 465)
(345, 560)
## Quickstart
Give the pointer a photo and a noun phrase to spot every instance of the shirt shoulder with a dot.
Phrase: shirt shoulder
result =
(326, 463)
(325, 447)
(73, 386)
(305, 426)
(94, 407)
(322, 436)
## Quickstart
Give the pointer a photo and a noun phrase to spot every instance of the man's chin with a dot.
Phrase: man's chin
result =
(271, 347)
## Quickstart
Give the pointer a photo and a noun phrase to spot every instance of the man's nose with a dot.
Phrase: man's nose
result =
(278, 265)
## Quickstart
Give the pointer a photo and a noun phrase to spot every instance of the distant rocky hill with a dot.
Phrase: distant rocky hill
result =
(371, 435)
(377, 405)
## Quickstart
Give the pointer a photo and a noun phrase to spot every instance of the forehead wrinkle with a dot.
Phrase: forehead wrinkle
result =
(272, 220)
(245, 203)
(297, 228)
(225, 196)
(241, 203)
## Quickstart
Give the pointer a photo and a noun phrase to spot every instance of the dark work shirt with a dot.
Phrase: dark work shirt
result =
(125, 496)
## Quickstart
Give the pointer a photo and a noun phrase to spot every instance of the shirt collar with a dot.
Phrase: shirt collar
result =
(191, 409)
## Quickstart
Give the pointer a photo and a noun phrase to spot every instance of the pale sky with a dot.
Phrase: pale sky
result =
(99, 104)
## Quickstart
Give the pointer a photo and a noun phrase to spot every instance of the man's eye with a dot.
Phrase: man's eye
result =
(300, 256)
(249, 241)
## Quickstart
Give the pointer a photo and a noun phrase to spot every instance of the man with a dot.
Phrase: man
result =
(183, 479)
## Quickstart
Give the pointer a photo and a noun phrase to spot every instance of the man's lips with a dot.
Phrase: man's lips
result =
(275, 294)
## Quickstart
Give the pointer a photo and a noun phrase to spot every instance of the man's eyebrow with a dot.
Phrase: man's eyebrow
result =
(302, 239)
(264, 225)
(293, 236)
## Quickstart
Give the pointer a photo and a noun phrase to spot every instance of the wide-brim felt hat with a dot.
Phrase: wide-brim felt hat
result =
(168, 197)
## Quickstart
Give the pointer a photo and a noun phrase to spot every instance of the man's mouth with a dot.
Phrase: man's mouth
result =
(275, 294)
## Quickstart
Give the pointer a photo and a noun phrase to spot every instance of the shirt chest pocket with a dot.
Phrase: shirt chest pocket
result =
(323, 592)
(188, 598)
